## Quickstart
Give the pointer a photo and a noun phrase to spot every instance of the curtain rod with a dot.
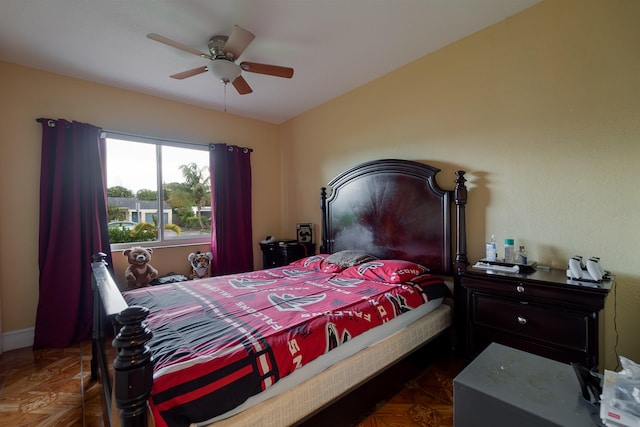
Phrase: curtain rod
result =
(167, 140)
(231, 147)
(51, 123)
(145, 137)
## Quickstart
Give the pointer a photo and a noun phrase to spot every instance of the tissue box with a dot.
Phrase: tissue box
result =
(610, 415)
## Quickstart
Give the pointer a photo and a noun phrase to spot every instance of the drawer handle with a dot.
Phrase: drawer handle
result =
(520, 288)
(522, 320)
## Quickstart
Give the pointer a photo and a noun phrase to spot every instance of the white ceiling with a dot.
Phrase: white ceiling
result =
(333, 45)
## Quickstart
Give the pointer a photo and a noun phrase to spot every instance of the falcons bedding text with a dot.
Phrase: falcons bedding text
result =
(217, 341)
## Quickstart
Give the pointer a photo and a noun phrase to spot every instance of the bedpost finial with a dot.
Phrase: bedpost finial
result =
(133, 366)
(99, 257)
(461, 188)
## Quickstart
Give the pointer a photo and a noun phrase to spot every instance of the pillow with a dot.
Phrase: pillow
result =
(317, 263)
(386, 270)
(349, 258)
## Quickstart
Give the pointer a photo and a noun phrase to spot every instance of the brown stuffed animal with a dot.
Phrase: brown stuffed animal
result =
(139, 272)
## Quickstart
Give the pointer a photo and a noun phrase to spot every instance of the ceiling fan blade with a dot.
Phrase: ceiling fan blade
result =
(238, 41)
(242, 86)
(271, 70)
(172, 43)
(189, 73)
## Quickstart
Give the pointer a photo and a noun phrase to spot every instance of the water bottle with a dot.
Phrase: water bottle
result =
(491, 254)
(509, 251)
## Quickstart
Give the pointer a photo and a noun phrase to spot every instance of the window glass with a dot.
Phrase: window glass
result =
(187, 191)
(148, 177)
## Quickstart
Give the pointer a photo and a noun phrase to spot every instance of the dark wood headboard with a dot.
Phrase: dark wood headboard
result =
(395, 209)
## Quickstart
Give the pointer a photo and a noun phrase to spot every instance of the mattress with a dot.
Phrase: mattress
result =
(312, 395)
(219, 341)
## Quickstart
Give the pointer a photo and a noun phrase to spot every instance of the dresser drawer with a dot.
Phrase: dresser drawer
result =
(554, 326)
(518, 289)
(574, 296)
(482, 337)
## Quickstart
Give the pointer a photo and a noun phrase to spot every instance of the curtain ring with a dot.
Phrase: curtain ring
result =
(51, 123)
(245, 150)
(231, 148)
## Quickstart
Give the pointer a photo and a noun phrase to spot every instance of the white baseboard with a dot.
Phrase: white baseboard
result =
(17, 339)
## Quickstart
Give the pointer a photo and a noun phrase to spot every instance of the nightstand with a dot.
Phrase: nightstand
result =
(543, 313)
(283, 252)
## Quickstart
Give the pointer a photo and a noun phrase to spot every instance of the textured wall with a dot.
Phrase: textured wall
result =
(28, 94)
(541, 110)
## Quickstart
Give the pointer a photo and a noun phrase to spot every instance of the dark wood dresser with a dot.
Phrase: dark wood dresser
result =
(543, 313)
(283, 252)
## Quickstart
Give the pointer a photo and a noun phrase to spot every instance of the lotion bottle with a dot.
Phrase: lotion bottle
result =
(491, 250)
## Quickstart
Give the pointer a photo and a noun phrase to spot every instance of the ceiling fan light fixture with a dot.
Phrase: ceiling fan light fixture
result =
(224, 51)
(223, 70)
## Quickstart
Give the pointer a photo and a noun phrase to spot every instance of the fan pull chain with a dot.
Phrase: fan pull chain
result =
(225, 97)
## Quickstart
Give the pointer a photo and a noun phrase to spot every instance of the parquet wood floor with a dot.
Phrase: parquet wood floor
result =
(49, 388)
(53, 388)
(418, 391)
(426, 401)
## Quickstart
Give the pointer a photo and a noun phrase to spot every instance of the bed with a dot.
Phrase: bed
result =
(272, 347)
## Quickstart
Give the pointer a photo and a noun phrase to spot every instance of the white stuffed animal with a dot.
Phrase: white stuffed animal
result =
(200, 264)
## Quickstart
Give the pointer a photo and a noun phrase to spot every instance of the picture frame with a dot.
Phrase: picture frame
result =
(304, 233)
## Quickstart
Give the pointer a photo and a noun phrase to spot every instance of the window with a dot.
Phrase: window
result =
(158, 191)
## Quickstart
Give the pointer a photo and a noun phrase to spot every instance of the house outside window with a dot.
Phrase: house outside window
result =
(158, 191)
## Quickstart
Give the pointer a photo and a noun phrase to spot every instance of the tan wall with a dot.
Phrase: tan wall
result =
(28, 94)
(541, 109)
(166, 261)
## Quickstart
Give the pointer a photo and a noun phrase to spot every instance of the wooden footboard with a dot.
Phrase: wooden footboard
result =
(133, 370)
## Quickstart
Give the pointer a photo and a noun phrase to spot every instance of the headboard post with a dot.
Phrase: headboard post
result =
(460, 196)
(133, 367)
(324, 246)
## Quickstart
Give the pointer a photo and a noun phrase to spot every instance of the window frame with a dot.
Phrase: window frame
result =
(158, 143)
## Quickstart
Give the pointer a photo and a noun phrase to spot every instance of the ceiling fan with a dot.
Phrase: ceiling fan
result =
(224, 51)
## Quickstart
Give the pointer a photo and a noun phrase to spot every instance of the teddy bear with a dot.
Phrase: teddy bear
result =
(139, 273)
(200, 264)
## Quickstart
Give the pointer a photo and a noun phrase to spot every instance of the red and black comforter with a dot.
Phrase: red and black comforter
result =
(218, 341)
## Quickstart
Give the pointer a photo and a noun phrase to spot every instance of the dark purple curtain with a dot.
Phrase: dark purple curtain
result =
(231, 231)
(73, 226)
